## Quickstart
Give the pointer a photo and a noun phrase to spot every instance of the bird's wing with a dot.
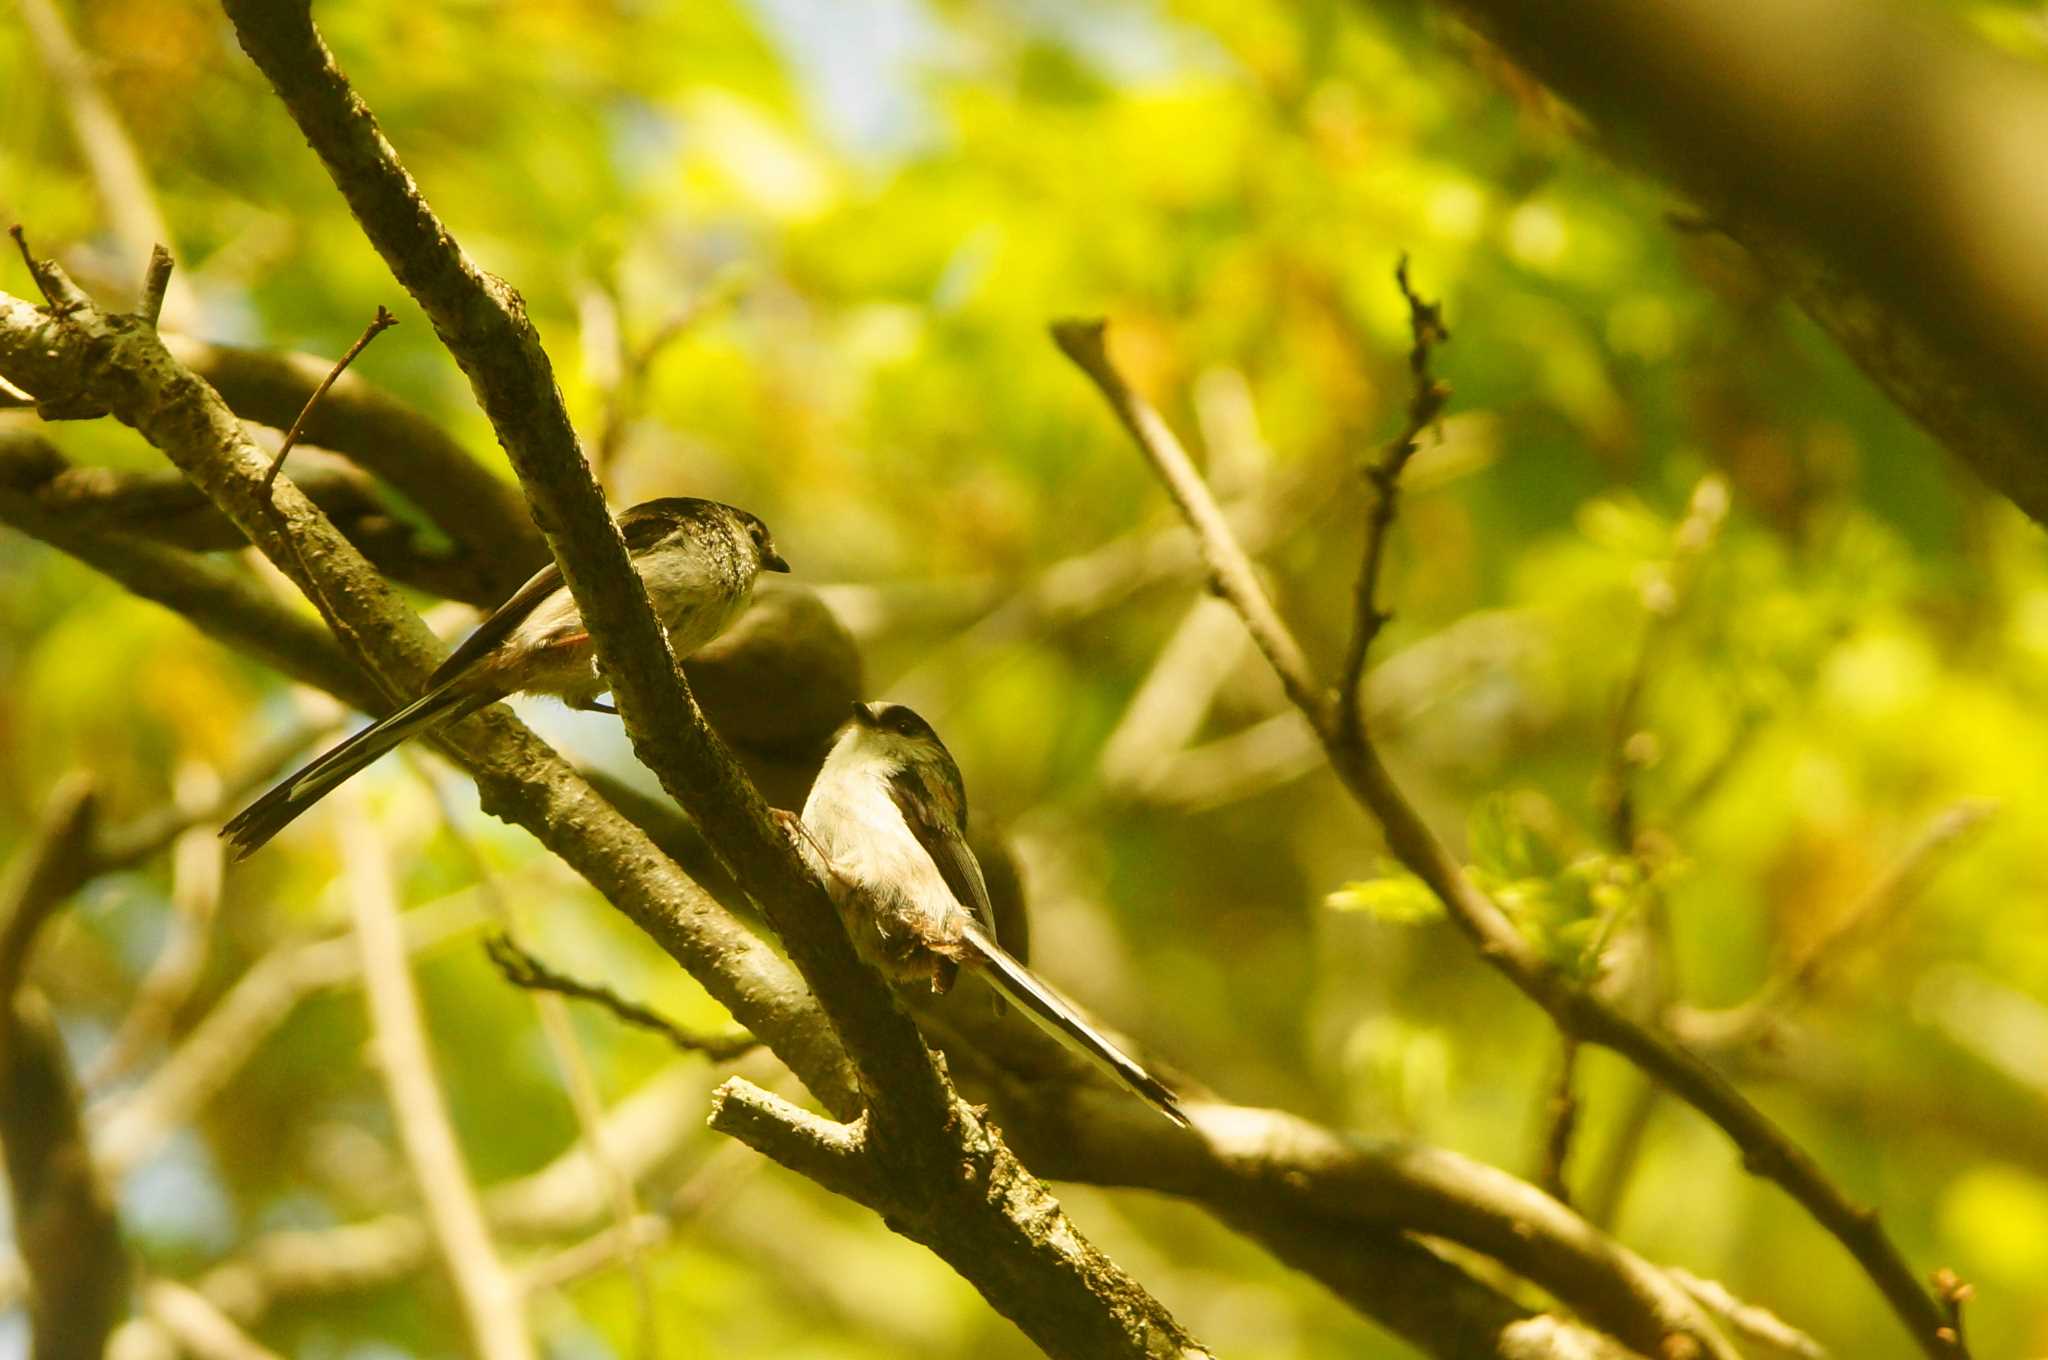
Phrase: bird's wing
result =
(641, 533)
(1057, 1016)
(935, 810)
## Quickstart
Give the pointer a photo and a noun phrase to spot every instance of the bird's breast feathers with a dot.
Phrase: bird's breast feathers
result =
(872, 848)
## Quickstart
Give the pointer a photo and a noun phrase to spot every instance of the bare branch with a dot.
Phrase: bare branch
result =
(261, 1000)
(1757, 1326)
(832, 1154)
(625, 392)
(200, 1329)
(480, 512)
(522, 969)
(1560, 1121)
(52, 282)
(1229, 569)
(378, 325)
(491, 1301)
(64, 1225)
(1425, 406)
(1050, 1282)
(43, 877)
(580, 1082)
(1766, 1149)
(154, 283)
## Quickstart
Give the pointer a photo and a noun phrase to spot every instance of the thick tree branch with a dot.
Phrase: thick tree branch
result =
(1766, 1149)
(570, 822)
(164, 508)
(580, 829)
(481, 512)
(1030, 1264)
(124, 366)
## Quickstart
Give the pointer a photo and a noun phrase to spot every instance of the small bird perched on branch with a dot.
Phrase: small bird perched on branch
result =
(698, 560)
(888, 814)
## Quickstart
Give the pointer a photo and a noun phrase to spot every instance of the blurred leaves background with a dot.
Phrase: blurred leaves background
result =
(801, 257)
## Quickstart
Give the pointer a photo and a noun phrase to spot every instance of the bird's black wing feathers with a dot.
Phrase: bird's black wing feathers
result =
(641, 533)
(1042, 1003)
(935, 810)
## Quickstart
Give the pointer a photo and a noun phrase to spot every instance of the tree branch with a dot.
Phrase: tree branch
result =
(1038, 1271)
(581, 829)
(64, 1224)
(483, 514)
(1425, 405)
(491, 1303)
(164, 508)
(523, 970)
(1766, 1150)
(126, 367)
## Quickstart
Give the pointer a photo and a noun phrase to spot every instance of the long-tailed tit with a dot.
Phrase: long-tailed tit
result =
(887, 813)
(698, 560)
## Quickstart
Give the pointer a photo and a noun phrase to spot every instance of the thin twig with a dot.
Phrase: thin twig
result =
(63, 296)
(492, 1306)
(1561, 1121)
(379, 323)
(1767, 1150)
(523, 970)
(154, 283)
(1425, 405)
(636, 362)
(1895, 890)
(1229, 569)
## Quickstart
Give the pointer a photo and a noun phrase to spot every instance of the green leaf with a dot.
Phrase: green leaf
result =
(1399, 898)
(1503, 842)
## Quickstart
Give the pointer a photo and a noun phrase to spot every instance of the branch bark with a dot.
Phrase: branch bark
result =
(481, 512)
(536, 791)
(1030, 1263)
(1578, 1012)
(119, 362)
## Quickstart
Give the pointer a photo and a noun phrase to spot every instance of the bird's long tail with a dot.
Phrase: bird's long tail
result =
(275, 810)
(1057, 1016)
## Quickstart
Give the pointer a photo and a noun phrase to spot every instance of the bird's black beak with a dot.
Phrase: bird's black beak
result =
(771, 560)
(863, 714)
